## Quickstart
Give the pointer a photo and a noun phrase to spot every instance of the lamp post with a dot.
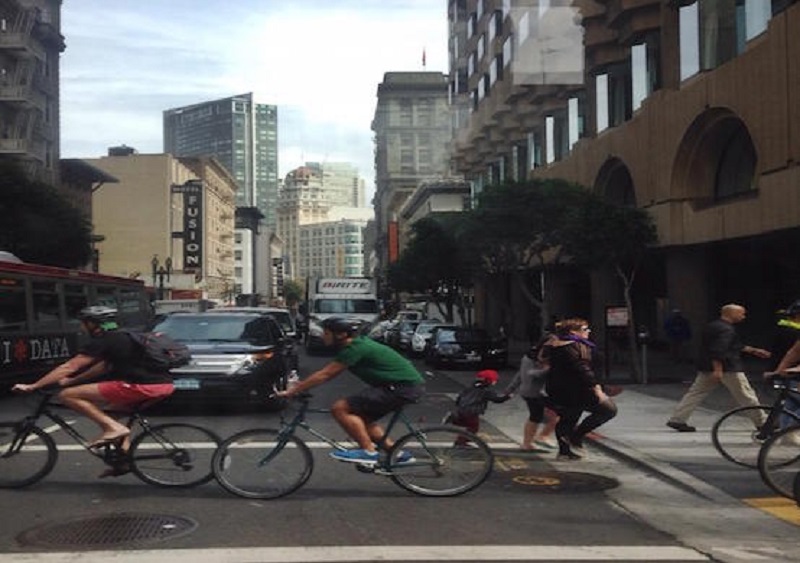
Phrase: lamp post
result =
(160, 271)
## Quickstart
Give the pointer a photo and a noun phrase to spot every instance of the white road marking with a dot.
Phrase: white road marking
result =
(333, 554)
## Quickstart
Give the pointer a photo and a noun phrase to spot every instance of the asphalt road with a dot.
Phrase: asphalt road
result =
(526, 510)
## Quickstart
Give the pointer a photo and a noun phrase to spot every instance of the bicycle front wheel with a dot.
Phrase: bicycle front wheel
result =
(779, 461)
(259, 464)
(27, 455)
(737, 434)
(440, 461)
(174, 455)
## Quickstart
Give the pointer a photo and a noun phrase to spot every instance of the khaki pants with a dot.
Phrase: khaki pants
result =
(735, 381)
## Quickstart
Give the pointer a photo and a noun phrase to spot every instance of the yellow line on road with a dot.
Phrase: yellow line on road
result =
(780, 507)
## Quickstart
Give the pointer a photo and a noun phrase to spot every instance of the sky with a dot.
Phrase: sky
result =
(319, 61)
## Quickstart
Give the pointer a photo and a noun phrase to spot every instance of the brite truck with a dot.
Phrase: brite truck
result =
(339, 297)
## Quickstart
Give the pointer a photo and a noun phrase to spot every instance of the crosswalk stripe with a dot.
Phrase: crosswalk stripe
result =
(333, 554)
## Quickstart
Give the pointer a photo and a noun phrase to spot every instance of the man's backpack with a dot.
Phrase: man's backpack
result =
(160, 353)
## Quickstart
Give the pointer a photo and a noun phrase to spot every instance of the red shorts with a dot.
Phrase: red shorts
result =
(127, 394)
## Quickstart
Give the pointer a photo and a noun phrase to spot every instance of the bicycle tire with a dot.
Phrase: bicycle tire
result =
(250, 464)
(779, 461)
(24, 465)
(736, 437)
(447, 461)
(174, 455)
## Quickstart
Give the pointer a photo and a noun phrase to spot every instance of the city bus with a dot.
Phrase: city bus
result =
(38, 309)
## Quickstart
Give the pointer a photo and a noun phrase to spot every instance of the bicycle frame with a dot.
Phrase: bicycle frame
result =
(299, 421)
(779, 410)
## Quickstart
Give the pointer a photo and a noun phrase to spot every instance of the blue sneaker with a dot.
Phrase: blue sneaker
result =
(356, 456)
(404, 457)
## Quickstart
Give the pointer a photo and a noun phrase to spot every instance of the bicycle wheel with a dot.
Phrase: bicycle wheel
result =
(26, 456)
(251, 464)
(779, 461)
(736, 434)
(445, 461)
(174, 455)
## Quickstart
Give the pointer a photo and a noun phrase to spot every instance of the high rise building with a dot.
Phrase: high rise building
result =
(412, 137)
(30, 44)
(242, 135)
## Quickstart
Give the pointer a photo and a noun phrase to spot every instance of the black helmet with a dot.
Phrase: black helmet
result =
(98, 314)
(339, 325)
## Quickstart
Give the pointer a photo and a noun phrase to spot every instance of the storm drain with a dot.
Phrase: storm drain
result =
(565, 481)
(108, 531)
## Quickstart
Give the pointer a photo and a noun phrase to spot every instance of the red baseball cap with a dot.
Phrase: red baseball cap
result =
(489, 375)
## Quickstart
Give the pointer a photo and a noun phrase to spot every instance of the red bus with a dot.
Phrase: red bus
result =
(38, 308)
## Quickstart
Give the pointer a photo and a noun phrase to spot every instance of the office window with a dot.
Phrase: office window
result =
(689, 39)
(601, 97)
(524, 28)
(507, 50)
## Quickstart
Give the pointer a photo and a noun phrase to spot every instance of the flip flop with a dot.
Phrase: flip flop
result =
(106, 440)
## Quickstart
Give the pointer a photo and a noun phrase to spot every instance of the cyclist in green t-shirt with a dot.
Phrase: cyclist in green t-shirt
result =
(393, 382)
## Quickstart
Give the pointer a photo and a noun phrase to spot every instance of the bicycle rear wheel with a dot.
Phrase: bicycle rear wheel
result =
(736, 434)
(447, 461)
(779, 461)
(174, 455)
(26, 456)
(254, 464)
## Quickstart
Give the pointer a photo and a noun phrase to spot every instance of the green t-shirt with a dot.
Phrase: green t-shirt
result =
(377, 364)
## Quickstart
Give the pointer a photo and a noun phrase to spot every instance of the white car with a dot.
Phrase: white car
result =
(421, 335)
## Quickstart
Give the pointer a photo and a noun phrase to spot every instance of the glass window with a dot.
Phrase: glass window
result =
(737, 166)
(12, 308)
(689, 40)
(601, 95)
(46, 309)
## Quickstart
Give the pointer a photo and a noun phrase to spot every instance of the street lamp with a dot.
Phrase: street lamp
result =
(160, 271)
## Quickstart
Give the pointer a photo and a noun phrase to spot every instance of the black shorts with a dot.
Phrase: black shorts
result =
(535, 408)
(373, 403)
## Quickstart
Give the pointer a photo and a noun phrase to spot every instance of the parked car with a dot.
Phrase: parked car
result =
(457, 346)
(237, 356)
(399, 335)
(422, 333)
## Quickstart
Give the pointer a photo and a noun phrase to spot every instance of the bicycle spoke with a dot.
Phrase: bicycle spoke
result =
(174, 455)
(24, 461)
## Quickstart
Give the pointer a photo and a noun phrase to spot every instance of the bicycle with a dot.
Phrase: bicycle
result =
(436, 461)
(779, 461)
(738, 435)
(165, 455)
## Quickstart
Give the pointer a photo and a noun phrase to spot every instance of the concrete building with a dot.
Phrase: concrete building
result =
(686, 109)
(312, 194)
(30, 45)
(171, 213)
(243, 136)
(412, 133)
(332, 249)
(446, 195)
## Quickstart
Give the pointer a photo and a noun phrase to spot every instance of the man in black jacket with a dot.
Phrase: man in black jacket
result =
(719, 361)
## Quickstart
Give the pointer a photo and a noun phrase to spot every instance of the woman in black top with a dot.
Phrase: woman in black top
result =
(572, 387)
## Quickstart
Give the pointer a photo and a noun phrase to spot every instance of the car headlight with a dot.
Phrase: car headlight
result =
(253, 362)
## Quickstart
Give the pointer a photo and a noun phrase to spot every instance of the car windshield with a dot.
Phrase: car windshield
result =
(217, 328)
(352, 306)
(285, 320)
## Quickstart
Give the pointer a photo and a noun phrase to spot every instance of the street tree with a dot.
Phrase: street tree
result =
(602, 235)
(39, 225)
(515, 230)
(432, 263)
(293, 292)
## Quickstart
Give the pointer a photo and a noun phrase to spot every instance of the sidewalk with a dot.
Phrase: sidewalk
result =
(643, 454)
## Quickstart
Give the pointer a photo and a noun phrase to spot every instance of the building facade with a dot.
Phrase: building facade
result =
(243, 136)
(412, 135)
(685, 109)
(332, 249)
(30, 45)
(175, 214)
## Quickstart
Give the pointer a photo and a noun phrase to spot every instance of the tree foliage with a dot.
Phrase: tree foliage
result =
(293, 292)
(39, 225)
(433, 262)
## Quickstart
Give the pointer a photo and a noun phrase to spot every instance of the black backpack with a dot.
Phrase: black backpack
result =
(160, 353)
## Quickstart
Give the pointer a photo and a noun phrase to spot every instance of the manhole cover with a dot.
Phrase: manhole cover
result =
(564, 481)
(108, 531)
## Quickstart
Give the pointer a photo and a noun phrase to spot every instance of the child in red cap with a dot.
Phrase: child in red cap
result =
(472, 402)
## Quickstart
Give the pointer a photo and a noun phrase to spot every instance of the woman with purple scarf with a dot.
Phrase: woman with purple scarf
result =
(572, 387)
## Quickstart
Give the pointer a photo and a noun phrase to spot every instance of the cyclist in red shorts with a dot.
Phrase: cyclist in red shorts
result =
(113, 355)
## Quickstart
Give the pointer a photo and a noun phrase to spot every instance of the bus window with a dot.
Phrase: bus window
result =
(74, 300)
(46, 314)
(12, 308)
(105, 296)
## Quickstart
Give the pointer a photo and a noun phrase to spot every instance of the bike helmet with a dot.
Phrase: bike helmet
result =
(99, 314)
(487, 375)
(338, 325)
